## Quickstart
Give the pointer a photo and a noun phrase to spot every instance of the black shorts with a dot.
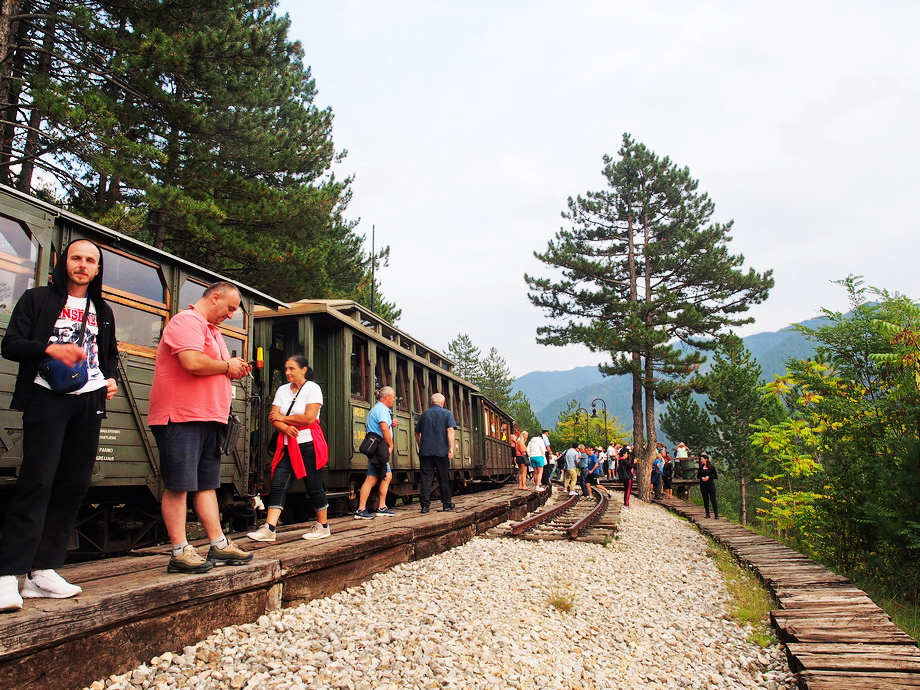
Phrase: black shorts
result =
(522, 460)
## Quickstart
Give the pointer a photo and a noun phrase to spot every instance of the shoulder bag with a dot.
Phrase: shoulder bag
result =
(273, 439)
(62, 378)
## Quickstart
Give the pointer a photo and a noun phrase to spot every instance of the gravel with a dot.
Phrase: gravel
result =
(646, 611)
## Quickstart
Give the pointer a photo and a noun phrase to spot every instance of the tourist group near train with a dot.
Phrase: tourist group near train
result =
(351, 356)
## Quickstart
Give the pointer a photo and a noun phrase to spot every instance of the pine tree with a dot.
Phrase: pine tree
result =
(495, 380)
(466, 355)
(190, 125)
(686, 420)
(736, 403)
(641, 267)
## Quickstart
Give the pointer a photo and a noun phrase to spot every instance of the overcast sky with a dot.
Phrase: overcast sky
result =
(468, 125)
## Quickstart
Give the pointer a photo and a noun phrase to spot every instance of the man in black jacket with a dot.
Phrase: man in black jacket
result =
(60, 431)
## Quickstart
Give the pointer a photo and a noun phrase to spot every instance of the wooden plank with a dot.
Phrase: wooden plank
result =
(831, 680)
(853, 657)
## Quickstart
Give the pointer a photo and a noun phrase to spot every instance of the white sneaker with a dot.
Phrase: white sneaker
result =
(47, 584)
(318, 532)
(263, 534)
(541, 488)
(10, 599)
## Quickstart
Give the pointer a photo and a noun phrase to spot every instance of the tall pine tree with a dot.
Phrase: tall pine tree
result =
(641, 266)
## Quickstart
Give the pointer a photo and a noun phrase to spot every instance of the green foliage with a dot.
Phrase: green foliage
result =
(844, 470)
(640, 267)
(576, 424)
(686, 420)
(190, 125)
(736, 403)
(467, 356)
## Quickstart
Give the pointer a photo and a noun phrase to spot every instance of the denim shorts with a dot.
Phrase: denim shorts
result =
(189, 456)
(377, 471)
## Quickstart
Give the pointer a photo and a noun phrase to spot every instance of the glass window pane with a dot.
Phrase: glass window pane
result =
(136, 327)
(235, 346)
(18, 255)
(126, 274)
(192, 291)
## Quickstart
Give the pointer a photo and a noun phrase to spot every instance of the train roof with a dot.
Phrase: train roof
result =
(118, 238)
(375, 326)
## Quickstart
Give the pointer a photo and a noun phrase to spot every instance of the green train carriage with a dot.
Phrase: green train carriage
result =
(354, 353)
(144, 286)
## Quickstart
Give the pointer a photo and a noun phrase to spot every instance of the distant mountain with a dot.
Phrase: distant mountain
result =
(549, 392)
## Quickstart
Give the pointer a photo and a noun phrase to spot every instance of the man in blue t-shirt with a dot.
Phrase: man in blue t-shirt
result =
(434, 433)
(380, 422)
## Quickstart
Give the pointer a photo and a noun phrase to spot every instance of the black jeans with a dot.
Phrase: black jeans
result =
(708, 491)
(59, 445)
(429, 464)
(283, 477)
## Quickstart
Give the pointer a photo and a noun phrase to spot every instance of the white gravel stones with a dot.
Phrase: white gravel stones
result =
(648, 613)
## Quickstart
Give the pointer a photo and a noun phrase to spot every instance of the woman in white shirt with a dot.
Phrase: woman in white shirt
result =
(301, 450)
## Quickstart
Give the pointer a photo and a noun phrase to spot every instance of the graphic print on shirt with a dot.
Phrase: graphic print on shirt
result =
(67, 331)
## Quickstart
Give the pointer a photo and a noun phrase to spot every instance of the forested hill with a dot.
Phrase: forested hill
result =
(549, 392)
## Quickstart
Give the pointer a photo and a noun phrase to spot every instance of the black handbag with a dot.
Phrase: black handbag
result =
(369, 445)
(62, 378)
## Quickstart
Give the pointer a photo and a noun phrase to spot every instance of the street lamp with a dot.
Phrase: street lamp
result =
(594, 414)
(587, 419)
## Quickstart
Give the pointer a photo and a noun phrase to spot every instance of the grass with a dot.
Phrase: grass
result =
(562, 599)
(751, 603)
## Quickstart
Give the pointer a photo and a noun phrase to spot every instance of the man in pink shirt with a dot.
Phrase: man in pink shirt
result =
(189, 403)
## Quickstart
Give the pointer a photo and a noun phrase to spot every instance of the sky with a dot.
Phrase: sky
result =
(469, 124)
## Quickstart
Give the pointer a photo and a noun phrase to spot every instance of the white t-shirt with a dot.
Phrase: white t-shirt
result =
(67, 330)
(310, 393)
(536, 448)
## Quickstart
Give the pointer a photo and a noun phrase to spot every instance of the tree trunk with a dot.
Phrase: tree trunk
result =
(9, 91)
(743, 499)
(30, 151)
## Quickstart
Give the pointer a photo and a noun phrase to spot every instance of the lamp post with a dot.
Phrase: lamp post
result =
(587, 418)
(594, 414)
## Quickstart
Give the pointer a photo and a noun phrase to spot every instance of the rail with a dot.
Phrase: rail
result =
(543, 516)
(593, 516)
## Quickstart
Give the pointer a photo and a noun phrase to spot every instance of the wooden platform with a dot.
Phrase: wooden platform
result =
(835, 635)
(131, 609)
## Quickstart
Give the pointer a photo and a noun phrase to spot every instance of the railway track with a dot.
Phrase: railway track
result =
(593, 519)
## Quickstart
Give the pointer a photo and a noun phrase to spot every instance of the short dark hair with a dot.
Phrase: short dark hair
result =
(220, 286)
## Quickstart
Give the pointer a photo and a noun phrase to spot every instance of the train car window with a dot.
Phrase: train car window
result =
(126, 276)
(136, 291)
(402, 384)
(233, 330)
(448, 403)
(418, 390)
(18, 256)
(191, 292)
(457, 409)
(359, 369)
(382, 375)
(136, 327)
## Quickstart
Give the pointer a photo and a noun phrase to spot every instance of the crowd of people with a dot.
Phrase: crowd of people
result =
(580, 467)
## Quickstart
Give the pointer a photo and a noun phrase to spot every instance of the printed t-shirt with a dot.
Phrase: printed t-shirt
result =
(178, 395)
(67, 331)
(309, 393)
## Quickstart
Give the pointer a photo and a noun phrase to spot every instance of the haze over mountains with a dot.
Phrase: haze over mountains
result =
(549, 392)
